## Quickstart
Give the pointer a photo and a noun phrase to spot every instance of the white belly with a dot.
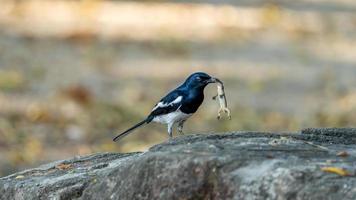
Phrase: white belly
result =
(171, 118)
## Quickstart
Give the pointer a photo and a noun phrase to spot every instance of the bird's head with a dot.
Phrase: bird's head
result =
(199, 80)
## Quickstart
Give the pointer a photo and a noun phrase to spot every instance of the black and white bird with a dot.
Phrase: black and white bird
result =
(178, 105)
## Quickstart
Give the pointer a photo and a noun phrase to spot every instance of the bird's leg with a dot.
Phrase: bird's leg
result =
(170, 130)
(180, 127)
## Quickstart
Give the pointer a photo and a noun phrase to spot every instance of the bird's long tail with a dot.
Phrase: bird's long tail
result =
(121, 135)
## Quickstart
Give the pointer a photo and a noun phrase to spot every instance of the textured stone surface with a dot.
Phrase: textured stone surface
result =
(238, 165)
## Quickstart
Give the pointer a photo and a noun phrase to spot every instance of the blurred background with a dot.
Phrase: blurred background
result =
(75, 73)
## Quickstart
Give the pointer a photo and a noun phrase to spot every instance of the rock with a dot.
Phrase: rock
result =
(238, 165)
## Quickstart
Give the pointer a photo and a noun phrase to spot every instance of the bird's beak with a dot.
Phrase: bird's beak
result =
(214, 80)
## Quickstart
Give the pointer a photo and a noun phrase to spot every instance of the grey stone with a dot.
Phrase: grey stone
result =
(237, 165)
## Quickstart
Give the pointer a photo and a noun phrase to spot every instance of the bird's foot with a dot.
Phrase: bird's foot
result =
(170, 139)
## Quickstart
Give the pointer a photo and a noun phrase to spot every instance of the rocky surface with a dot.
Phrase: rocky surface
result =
(237, 165)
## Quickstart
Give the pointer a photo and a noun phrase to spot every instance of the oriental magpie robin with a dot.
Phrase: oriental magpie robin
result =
(178, 105)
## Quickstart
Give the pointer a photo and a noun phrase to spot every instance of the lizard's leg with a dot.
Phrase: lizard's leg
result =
(219, 113)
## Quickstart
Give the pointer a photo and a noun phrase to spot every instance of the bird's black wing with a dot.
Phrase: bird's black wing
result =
(170, 103)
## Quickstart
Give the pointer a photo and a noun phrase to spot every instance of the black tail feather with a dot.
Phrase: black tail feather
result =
(121, 135)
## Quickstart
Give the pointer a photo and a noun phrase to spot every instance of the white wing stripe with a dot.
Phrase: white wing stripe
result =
(177, 100)
(162, 105)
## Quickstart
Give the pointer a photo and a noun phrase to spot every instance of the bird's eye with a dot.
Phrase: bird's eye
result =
(198, 78)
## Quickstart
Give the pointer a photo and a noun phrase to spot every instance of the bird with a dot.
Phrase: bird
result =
(178, 105)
